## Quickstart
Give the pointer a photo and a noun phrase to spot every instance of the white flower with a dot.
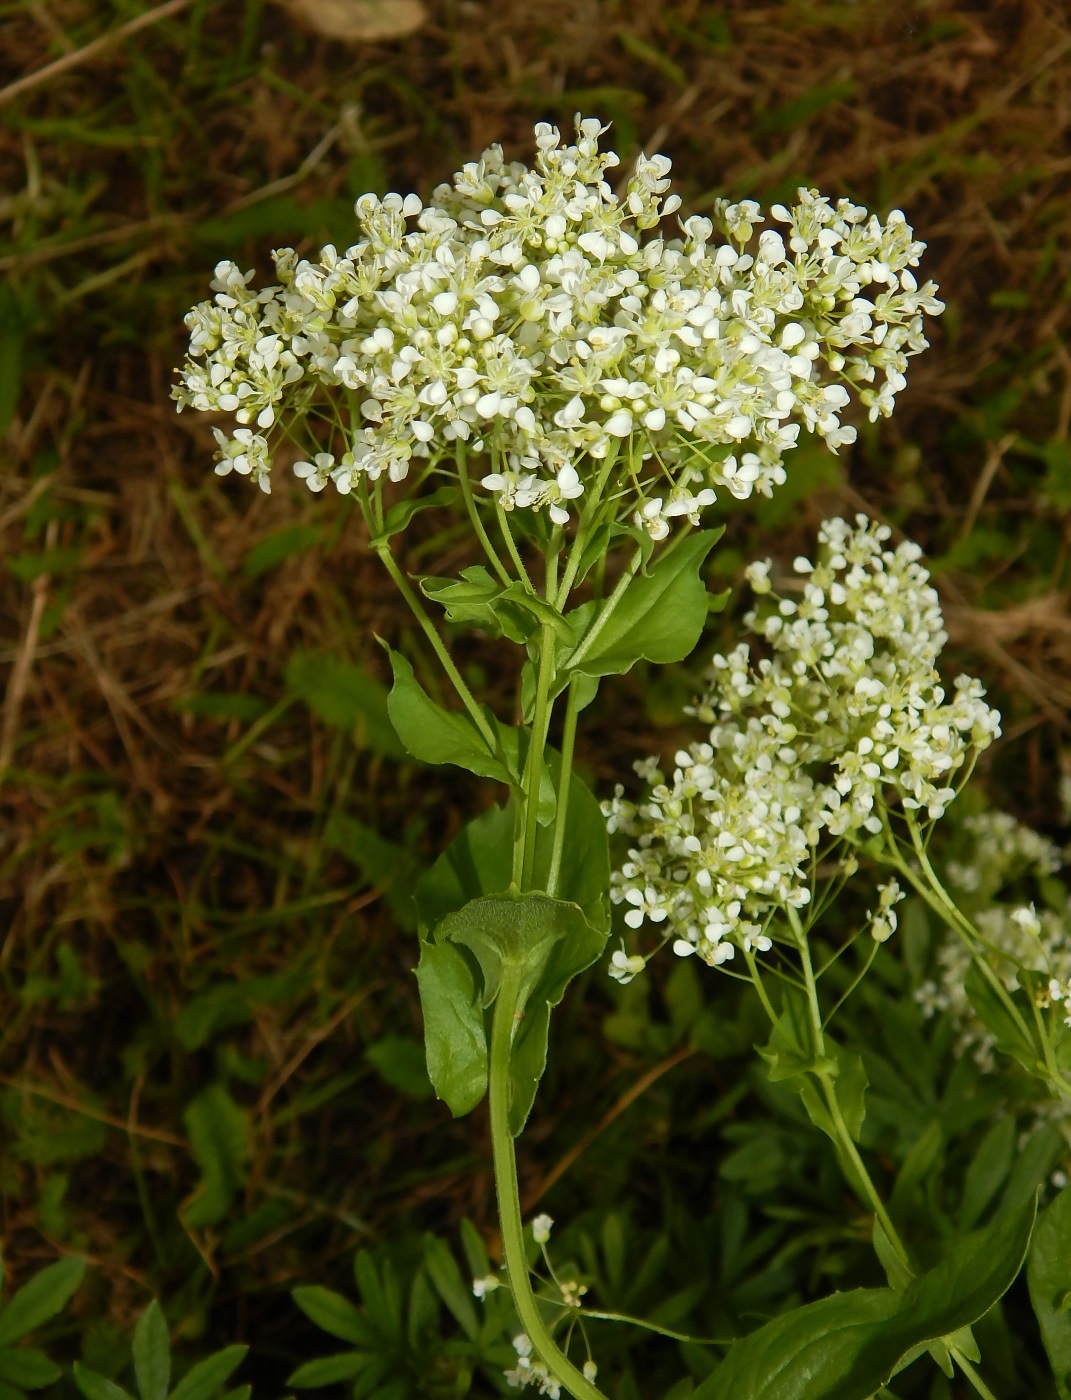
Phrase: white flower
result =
(541, 1227)
(536, 306)
(482, 1286)
(847, 713)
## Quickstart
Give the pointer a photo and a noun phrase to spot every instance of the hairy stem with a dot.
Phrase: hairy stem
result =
(509, 1207)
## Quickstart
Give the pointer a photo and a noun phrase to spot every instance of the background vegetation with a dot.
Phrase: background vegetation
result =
(211, 1085)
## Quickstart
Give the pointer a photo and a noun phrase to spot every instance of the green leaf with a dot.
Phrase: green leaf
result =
(385, 864)
(509, 610)
(478, 864)
(203, 1380)
(1048, 1275)
(97, 1387)
(549, 941)
(218, 1140)
(896, 1271)
(280, 545)
(998, 1020)
(479, 860)
(848, 1346)
(347, 697)
(661, 616)
(334, 1314)
(451, 1287)
(455, 1038)
(399, 516)
(988, 1171)
(435, 735)
(44, 1296)
(519, 930)
(329, 1370)
(152, 1353)
(28, 1367)
(401, 1063)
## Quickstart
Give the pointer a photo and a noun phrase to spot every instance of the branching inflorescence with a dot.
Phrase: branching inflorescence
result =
(807, 746)
(523, 315)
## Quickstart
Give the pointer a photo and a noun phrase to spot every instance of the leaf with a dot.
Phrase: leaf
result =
(401, 1063)
(399, 516)
(280, 545)
(478, 864)
(514, 929)
(1048, 1275)
(479, 860)
(45, 1295)
(436, 735)
(28, 1367)
(661, 616)
(152, 1354)
(385, 864)
(334, 1314)
(848, 1346)
(451, 1287)
(988, 1170)
(455, 1039)
(347, 697)
(549, 941)
(998, 1020)
(218, 1141)
(203, 1380)
(97, 1387)
(510, 610)
(329, 1370)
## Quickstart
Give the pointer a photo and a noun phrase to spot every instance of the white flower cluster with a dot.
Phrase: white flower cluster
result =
(848, 713)
(534, 1372)
(524, 313)
(1025, 940)
(1001, 851)
(531, 1372)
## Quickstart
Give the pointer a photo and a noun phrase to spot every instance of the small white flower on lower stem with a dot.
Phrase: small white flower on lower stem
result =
(482, 1286)
(590, 1371)
(541, 1228)
(624, 968)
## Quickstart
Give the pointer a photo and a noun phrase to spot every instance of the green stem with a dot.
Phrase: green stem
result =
(936, 896)
(439, 646)
(509, 1205)
(583, 530)
(562, 811)
(474, 515)
(844, 1137)
(591, 635)
(971, 1374)
(536, 744)
(756, 978)
(514, 554)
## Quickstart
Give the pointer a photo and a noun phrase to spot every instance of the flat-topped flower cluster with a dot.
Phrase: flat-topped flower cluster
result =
(524, 312)
(807, 745)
